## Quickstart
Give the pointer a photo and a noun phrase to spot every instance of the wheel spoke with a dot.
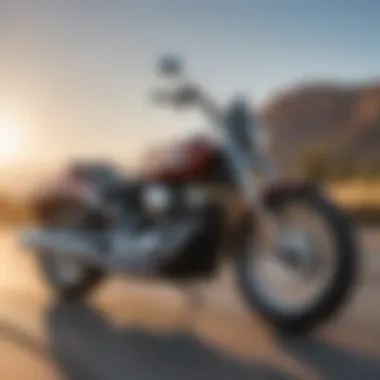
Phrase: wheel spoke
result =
(299, 256)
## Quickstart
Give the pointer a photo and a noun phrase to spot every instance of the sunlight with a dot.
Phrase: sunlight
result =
(10, 140)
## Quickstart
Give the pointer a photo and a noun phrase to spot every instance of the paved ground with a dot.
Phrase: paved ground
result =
(143, 331)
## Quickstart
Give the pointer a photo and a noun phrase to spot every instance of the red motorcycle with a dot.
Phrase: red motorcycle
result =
(198, 202)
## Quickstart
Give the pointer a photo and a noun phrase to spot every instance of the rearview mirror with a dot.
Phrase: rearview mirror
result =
(170, 66)
(185, 96)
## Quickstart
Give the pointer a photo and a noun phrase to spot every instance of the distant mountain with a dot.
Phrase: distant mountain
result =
(341, 121)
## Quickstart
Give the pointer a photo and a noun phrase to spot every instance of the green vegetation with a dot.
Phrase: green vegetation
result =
(367, 171)
(316, 166)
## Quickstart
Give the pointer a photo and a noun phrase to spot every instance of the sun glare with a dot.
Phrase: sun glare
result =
(10, 139)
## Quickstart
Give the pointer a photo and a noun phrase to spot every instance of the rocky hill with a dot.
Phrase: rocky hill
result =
(342, 122)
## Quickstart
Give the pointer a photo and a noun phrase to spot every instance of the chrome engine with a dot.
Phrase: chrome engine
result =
(143, 227)
(161, 199)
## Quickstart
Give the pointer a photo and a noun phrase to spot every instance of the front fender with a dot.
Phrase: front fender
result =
(274, 195)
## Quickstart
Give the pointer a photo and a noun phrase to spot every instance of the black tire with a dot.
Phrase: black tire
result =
(331, 301)
(61, 213)
(73, 291)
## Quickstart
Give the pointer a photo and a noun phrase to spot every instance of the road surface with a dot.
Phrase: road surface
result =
(147, 331)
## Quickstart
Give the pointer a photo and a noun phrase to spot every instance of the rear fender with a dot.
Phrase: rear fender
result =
(56, 196)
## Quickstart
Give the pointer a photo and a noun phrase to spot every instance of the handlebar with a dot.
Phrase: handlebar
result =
(186, 95)
(189, 94)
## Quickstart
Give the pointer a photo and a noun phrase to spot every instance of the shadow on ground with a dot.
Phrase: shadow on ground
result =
(86, 346)
(332, 362)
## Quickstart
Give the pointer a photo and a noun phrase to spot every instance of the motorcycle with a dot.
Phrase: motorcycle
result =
(200, 202)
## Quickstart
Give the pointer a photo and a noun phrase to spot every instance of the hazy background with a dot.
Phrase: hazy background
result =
(75, 78)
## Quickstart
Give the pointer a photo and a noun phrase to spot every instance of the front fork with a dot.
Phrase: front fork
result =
(254, 198)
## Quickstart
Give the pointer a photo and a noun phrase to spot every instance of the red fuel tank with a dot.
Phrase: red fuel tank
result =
(187, 160)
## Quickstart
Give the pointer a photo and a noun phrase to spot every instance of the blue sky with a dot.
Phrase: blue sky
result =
(75, 74)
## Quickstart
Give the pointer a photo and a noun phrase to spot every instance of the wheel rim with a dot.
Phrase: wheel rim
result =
(308, 273)
(64, 272)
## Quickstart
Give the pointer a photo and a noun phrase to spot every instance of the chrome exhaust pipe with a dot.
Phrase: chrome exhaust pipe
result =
(127, 252)
(61, 243)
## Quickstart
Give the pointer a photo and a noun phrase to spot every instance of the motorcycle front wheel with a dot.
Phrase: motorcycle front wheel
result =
(302, 256)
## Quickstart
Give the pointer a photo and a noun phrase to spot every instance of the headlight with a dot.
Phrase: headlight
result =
(157, 198)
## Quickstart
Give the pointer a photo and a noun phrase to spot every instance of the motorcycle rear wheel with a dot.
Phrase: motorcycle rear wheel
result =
(68, 290)
(66, 215)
